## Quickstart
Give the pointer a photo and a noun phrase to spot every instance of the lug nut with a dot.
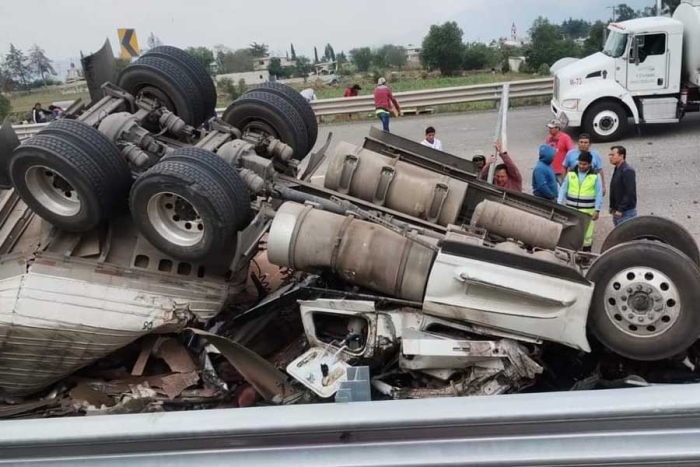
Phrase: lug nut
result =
(623, 298)
(652, 316)
(639, 288)
(641, 320)
(659, 308)
(629, 290)
(630, 316)
(624, 307)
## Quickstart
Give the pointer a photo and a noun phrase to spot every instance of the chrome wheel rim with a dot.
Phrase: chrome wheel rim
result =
(52, 191)
(606, 122)
(175, 219)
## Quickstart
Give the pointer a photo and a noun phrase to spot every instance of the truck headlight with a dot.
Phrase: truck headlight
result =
(570, 104)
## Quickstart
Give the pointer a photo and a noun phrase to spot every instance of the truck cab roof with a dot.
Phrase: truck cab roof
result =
(644, 25)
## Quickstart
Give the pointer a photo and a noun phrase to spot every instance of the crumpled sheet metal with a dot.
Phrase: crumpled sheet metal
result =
(58, 316)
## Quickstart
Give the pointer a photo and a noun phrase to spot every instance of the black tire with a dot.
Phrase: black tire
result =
(615, 318)
(272, 115)
(92, 141)
(297, 100)
(657, 229)
(617, 117)
(207, 190)
(50, 161)
(160, 78)
(196, 72)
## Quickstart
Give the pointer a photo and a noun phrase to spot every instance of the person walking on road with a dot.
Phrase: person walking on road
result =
(571, 159)
(583, 190)
(544, 180)
(507, 174)
(430, 140)
(623, 187)
(562, 143)
(383, 102)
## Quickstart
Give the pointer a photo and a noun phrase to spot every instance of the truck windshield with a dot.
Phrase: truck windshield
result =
(616, 44)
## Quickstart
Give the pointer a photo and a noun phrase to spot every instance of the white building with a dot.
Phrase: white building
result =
(412, 54)
(264, 62)
(249, 77)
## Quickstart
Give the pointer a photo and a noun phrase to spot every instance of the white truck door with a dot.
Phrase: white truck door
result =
(647, 68)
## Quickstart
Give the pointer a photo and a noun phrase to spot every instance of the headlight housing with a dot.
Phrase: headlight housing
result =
(570, 104)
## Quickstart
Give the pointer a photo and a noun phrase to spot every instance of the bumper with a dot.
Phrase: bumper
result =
(569, 117)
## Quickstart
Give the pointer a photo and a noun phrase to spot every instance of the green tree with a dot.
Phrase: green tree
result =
(18, 65)
(443, 49)
(7, 84)
(315, 55)
(329, 53)
(548, 44)
(624, 12)
(293, 52)
(39, 62)
(258, 50)
(668, 7)
(362, 58)
(235, 62)
(302, 67)
(596, 38)
(204, 55)
(390, 56)
(575, 28)
(275, 68)
(341, 58)
(5, 107)
(478, 56)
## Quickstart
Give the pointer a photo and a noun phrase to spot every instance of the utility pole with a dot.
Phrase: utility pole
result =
(658, 7)
(613, 12)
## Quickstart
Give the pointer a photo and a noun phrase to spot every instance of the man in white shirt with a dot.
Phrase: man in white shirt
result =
(430, 139)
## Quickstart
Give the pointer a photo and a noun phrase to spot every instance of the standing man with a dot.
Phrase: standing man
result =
(562, 143)
(584, 144)
(383, 101)
(352, 91)
(623, 187)
(430, 139)
(309, 94)
(544, 181)
(583, 190)
(507, 174)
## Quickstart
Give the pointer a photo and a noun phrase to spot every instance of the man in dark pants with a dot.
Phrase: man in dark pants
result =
(623, 187)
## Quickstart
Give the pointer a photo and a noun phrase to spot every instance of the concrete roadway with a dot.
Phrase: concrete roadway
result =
(666, 157)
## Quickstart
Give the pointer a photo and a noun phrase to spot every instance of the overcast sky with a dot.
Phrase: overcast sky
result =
(65, 27)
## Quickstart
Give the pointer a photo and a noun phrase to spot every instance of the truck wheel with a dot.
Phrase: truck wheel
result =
(645, 302)
(185, 208)
(271, 115)
(197, 73)
(160, 79)
(71, 185)
(297, 100)
(605, 121)
(657, 229)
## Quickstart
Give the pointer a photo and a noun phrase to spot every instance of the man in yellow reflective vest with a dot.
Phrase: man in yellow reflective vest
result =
(583, 190)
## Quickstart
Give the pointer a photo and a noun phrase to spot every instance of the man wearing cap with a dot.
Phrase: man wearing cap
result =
(479, 161)
(383, 101)
(584, 144)
(583, 190)
(562, 143)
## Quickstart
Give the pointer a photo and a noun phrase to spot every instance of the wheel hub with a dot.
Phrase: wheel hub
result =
(175, 219)
(606, 122)
(52, 191)
(642, 302)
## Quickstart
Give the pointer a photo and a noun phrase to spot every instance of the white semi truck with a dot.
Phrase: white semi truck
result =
(649, 70)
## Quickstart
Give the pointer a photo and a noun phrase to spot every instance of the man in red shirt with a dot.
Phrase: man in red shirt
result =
(352, 91)
(383, 101)
(507, 174)
(562, 143)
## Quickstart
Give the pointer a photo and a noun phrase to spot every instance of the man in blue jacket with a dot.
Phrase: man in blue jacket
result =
(544, 181)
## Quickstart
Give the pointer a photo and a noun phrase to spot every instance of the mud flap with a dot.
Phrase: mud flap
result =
(99, 68)
(8, 142)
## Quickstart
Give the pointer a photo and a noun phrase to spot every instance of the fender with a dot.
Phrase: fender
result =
(605, 89)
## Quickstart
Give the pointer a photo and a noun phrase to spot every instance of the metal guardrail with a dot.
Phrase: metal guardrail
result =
(642, 426)
(412, 99)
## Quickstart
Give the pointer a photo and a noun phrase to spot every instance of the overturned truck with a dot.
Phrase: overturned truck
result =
(141, 213)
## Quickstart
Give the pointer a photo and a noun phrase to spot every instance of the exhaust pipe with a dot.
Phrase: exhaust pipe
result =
(360, 252)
